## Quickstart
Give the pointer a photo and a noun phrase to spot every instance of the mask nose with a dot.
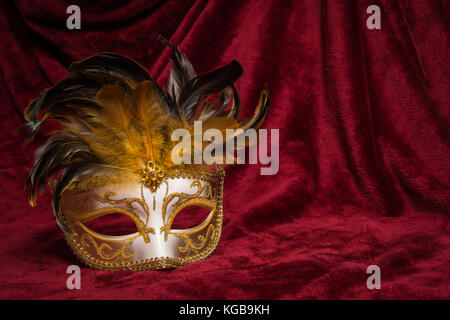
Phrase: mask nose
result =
(161, 247)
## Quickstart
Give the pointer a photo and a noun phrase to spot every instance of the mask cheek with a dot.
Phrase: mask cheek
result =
(96, 233)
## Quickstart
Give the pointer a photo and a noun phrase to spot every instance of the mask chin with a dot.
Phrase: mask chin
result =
(158, 241)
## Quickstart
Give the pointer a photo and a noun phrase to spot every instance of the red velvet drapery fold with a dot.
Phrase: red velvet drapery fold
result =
(364, 145)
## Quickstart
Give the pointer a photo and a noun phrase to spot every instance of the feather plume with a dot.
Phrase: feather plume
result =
(181, 73)
(115, 119)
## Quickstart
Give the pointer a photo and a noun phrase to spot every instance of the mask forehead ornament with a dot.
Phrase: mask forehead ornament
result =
(152, 176)
(113, 156)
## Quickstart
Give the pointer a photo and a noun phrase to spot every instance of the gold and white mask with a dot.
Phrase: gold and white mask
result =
(155, 244)
(113, 156)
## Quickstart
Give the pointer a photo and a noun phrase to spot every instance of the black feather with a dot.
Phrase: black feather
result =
(109, 67)
(167, 103)
(181, 73)
(58, 151)
(84, 79)
(236, 107)
(199, 88)
(86, 88)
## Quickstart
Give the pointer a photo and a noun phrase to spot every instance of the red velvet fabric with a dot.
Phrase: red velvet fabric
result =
(364, 146)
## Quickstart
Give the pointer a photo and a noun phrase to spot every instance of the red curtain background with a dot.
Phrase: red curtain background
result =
(364, 146)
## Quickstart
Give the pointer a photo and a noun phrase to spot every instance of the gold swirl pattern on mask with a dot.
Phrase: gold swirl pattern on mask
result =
(86, 238)
(190, 243)
(202, 197)
(127, 201)
(142, 227)
(129, 204)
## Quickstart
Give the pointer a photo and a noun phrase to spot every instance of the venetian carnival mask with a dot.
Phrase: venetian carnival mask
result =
(113, 155)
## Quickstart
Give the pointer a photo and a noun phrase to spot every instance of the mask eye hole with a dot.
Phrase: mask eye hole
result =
(114, 224)
(190, 217)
